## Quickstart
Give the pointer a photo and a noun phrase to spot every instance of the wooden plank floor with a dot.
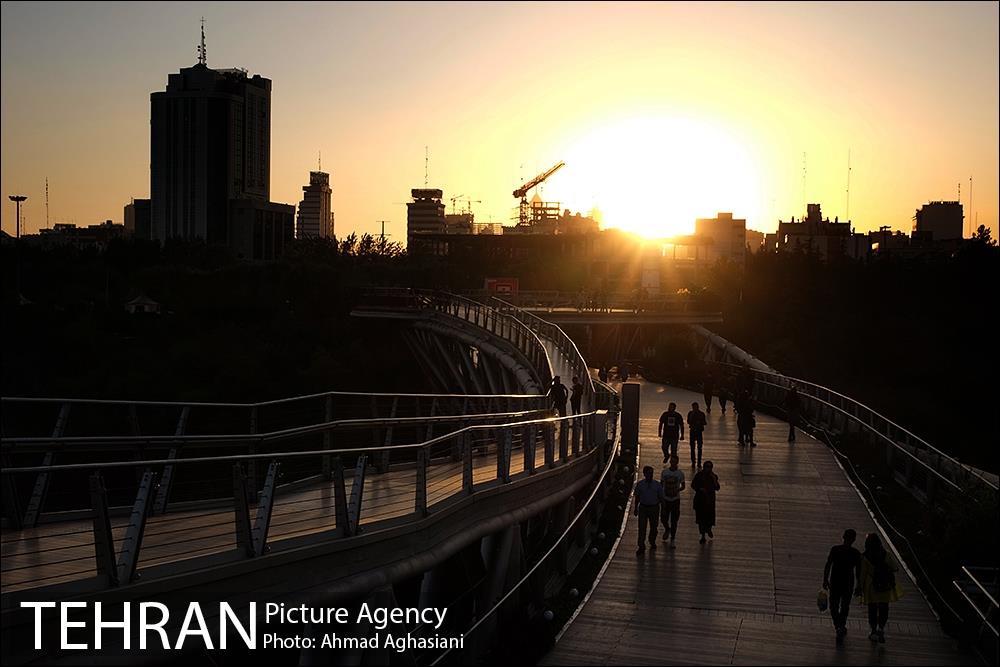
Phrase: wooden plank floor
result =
(61, 552)
(749, 595)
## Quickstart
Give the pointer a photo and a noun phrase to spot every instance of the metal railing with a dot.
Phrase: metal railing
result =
(56, 417)
(595, 302)
(94, 551)
(979, 587)
(503, 325)
(915, 462)
(563, 343)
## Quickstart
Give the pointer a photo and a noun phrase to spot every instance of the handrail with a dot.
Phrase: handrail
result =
(324, 427)
(805, 383)
(259, 404)
(444, 469)
(570, 528)
(561, 340)
(312, 452)
(500, 324)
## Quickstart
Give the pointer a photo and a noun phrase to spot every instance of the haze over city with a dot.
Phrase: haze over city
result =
(662, 112)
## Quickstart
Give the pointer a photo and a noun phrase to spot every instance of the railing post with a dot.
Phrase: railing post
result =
(421, 500)
(104, 545)
(327, 438)
(467, 479)
(357, 495)
(132, 543)
(528, 448)
(563, 441)
(41, 488)
(167, 478)
(504, 449)
(264, 508)
(340, 497)
(241, 509)
(575, 435)
(549, 435)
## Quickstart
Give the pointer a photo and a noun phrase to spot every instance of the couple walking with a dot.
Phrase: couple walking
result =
(870, 576)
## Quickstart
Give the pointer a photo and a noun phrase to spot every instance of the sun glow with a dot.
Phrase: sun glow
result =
(655, 175)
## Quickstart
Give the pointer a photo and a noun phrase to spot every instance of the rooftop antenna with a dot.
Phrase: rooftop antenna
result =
(383, 235)
(960, 192)
(804, 202)
(970, 204)
(848, 215)
(319, 162)
(426, 163)
(202, 52)
(46, 202)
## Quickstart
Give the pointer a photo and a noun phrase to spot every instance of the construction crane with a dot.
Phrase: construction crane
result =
(469, 203)
(522, 192)
(453, 200)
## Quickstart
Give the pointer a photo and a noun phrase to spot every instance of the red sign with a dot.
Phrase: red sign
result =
(502, 286)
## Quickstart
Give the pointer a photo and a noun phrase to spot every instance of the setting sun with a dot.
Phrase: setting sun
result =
(655, 175)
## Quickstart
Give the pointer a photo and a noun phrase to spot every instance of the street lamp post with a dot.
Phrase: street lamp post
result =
(17, 199)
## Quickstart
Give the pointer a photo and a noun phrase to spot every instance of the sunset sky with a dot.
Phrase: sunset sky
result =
(662, 112)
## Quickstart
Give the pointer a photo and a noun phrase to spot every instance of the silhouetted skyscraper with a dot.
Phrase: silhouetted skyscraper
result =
(315, 216)
(424, 215)
(210, 142)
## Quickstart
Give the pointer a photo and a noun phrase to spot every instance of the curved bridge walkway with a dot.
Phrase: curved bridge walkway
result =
(749, 595)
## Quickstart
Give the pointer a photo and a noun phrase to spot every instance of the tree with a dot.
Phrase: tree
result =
(984, 236)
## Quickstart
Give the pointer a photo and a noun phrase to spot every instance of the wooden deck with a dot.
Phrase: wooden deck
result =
(749, 595)
(62, 552)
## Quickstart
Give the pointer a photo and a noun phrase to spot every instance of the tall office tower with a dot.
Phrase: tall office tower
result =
(315, 216)
(424, 215)
(210, 142)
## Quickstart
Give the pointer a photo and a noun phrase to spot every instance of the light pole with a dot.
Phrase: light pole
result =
(17, 199)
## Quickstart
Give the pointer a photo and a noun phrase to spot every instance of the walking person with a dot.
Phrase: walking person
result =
(705, 485)
(696, 426)
(723, 395)
(878, 585)
(840, 577)
(558, 394)
(671, 430)
(792, 410)
(672, 481)
(646, 505)
(708, 385)
(745, 421)
(576, 397)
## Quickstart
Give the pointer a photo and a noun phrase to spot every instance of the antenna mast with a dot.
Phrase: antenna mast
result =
(426, 163)
(202, 52)
(970, 205)
(46, 202)
(383, 227)
(804, 202)
(319, 162)
(848, 215)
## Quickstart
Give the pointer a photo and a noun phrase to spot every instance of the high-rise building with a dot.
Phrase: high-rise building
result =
(939, 221)
(729, 235)
(424, 215)
(315, 216)
(137, 219)
(210, 142)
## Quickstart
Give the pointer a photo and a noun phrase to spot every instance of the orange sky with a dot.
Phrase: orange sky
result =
(663, 112)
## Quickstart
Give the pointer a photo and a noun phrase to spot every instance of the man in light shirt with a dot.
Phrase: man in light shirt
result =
(672, 482)
(646, 505)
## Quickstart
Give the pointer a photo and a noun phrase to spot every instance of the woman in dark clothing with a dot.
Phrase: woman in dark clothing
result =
(705, 484)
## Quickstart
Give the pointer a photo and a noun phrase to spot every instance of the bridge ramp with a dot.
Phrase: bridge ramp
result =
(749, 595)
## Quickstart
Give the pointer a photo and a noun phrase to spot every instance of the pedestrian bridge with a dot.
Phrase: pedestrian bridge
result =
(477, 498)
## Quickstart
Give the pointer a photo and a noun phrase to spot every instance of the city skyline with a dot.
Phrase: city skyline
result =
(663, 113)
